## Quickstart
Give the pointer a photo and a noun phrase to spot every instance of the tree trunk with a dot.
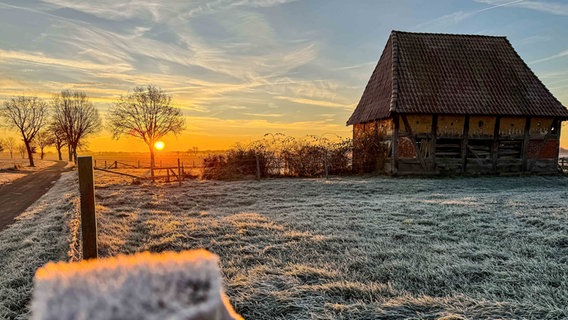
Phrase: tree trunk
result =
(70, 151)
(30, 155)
(11, 155)
(42, 154)
(59, 153)
(152, 160)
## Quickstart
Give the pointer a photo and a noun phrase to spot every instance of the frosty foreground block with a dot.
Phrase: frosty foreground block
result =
(169, 285)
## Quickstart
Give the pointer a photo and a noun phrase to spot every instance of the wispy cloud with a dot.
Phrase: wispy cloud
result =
(39, 58)
(555, 8)
(531, 40)
(319, 103)
(552, 57)
(265, 115)
(158, 11)
(459, 16)
(357, 66)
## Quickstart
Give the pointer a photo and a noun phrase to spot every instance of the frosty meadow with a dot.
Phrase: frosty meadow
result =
(344, 248)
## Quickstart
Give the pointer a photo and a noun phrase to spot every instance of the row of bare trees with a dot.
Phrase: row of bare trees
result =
(66, 120)
(69, 118)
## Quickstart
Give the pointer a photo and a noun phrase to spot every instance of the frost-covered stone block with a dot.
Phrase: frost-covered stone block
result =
(185, 285)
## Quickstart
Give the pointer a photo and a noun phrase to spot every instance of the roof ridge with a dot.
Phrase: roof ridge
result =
(394, 63)
(446, 34)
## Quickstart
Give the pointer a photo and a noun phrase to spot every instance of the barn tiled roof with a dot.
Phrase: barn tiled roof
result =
(453, 74)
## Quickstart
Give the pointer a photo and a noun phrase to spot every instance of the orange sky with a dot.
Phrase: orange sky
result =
(240, 69)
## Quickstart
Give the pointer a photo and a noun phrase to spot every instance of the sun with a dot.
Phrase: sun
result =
(159, 145)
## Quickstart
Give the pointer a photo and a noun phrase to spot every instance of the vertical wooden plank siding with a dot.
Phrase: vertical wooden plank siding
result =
(433, 141)
(464, 143)
(495, 145)
(526, 138)
(394, 165)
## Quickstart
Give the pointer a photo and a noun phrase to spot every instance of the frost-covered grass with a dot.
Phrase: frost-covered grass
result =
(350, 248)
(45, 232)
(357, 248)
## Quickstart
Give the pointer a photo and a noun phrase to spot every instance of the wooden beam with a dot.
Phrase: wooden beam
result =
(465, 141)
(434, 137)
(119, 173)
(495, 145)
(394, 157)
(413, 140)
(526, 139)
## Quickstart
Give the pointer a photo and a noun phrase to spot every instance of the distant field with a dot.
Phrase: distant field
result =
(163, 159)
(349, 248)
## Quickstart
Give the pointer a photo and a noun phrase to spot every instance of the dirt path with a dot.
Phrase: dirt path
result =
(20, 194)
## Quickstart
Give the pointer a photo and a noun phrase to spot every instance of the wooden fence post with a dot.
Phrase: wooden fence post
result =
(179, 172)
(88, 218)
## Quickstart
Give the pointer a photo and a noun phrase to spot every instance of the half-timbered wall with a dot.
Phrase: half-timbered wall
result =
(477, 144)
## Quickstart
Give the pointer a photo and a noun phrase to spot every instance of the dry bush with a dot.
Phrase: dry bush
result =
(236, 163)
(282, 156)
(370, 153)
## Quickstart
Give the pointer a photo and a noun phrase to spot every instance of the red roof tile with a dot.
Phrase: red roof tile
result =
(453, 74)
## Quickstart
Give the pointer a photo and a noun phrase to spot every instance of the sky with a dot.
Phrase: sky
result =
(242, 68)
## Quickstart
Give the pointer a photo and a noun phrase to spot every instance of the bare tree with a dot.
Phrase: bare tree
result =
(22, 150)
(10, 144)
(76, 117)
(44, 139)
(2, 143)
(146, 113)
(28, 115)
(59, 138)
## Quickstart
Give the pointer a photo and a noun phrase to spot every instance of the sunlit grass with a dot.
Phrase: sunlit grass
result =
(350, 248)
(361, 248)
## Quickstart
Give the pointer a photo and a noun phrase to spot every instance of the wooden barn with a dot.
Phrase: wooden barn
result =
(455, 104)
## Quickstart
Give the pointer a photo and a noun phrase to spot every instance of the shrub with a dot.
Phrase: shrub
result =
(279, 155)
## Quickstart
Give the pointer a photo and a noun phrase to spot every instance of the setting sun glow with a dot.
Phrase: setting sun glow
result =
(159, 145)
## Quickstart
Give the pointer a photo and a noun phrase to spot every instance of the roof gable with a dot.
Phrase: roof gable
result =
(453, 74)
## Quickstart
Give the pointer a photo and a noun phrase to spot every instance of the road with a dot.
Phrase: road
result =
(17, 196)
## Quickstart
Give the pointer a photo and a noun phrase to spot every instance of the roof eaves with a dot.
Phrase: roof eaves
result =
(534, 75)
